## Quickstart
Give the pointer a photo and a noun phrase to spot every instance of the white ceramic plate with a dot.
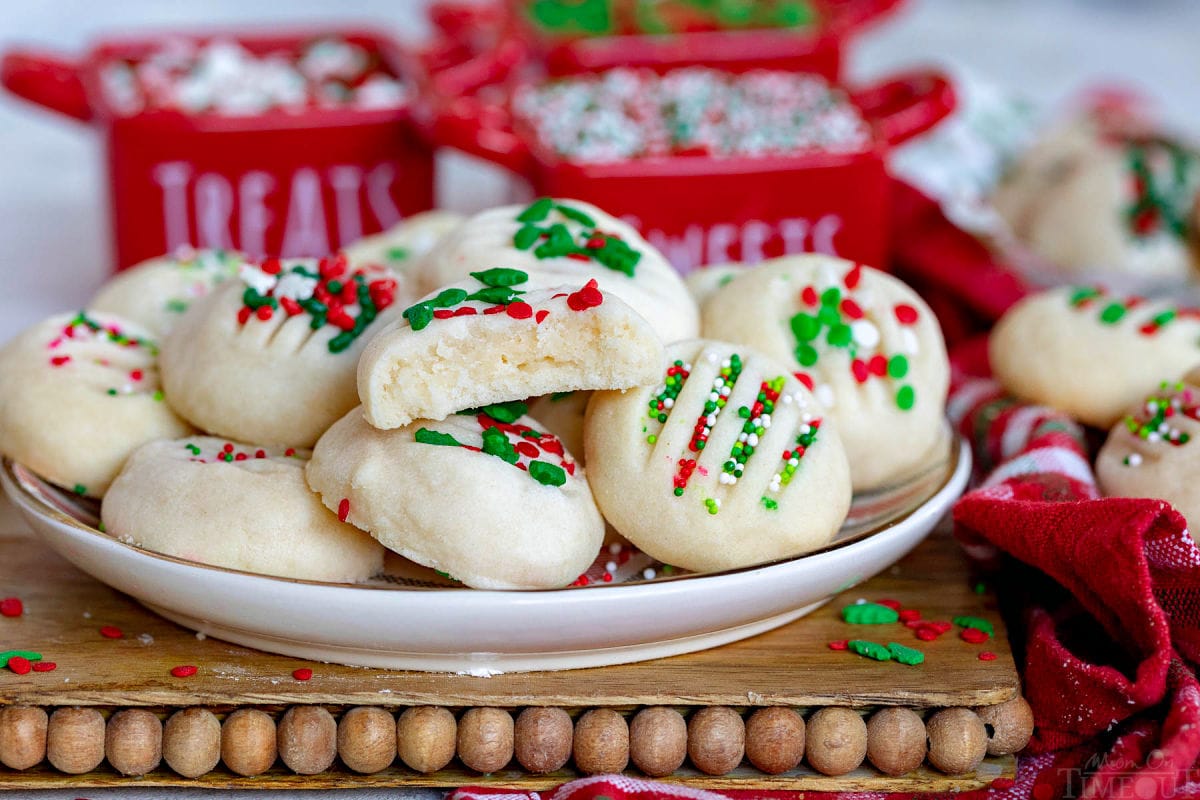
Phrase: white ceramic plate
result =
(411, 619)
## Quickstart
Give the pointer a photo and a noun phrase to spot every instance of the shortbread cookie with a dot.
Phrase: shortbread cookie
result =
(865, 343)
(502, 336)
(562, 414)
(727, 462)
(567, 242)
(271, 356)
(1152, 450)
(704, 281)
(1091, 353)
(155, 293)
(485, 497)
(237, 506)
(402, 246)
(78, 394)
(1097, 198)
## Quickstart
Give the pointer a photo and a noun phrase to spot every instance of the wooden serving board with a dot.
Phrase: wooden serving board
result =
(64, 611)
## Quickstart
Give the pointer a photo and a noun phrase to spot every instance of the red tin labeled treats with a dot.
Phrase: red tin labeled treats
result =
(299, 173)
(721, 196)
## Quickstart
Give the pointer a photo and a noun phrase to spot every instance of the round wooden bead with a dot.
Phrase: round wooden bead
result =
(601, 742)
(836, 740)
(658, 741)
(542, 739)
(896, 741)
(716, 740)
(248, 742)
(192, 742)
(775, 739)
(426, 737)
(75, 740)
(957, 740)
(485, 739)
(22, 736)
(133, 741)
(1008, 726)
(307, 739)
(366, 739)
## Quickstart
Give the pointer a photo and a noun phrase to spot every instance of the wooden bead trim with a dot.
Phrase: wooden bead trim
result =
(656, 740)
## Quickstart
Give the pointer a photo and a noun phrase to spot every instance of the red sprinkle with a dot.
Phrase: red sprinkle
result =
(927, 634)
(443, 313)
(878, 365)
(987, 655)
(264, 313)
(112, 632)
(183, 671)
(272, 266)
(541, 315)
(974, 636)
(19, 665)
(851, 309)
(519, 310)
(853, 277)
(840, 644)
(244, 315)
(587, 297)
(494, 310)
(344, 509)
(302, 674)
(909, 615)
(11, 607)
(894, 605)
(860, 370)
(291, 451)
(905, 314)
(809, 296)
(44, 666)
(290, 306)
(528, 449)
(465, 311)
(58, 361)
(805, 379)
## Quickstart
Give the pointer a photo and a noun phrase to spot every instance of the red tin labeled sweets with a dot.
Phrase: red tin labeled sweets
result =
(711, 167)
(272, 144)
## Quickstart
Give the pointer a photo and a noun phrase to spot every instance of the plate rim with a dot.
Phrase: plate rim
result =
(958, 467)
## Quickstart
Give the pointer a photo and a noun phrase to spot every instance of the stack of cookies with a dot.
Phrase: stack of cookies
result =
(438, 391)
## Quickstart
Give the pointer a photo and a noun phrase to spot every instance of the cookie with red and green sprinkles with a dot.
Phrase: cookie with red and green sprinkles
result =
(726, 461)
(486, 496)
(234, 505)
(157, 292)
(402, 246)
(563, 242)
(1093, 353)
(866, 345)
(271, 356)
(499, 336)
(79, 392)
(1151, 451)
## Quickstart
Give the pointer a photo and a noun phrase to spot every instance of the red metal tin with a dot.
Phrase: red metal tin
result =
(701, 209)
(272, 183)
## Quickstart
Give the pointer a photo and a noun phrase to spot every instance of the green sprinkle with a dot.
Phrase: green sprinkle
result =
(975, 622)
(176, 306)
(395, 254)
(805, 327)
(1112, 313)
(418, 316)
(652, 439)
(537, 211)
(769, 504)
(158, 395)
(869, 614)
(807, 355)
(980, 588)
(28, 655)
(502, 412)
(576, 215)
(495, 295)
(79, 489)
(558, 396)
(840, 335)
(193, 449)
(342, 341)
(426, 436)
(501, 276)
(869, 650)
(111, 392)
(905, 398)
(898, 366)
(547, 474)
(495, 443)
(906, 655)
(712, 506)
(100, 527)
(526, 236)
(831, 297)
(1083, 294)
(448, 298)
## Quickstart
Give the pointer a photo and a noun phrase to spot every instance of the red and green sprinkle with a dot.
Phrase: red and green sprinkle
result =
(757, 420)
(665, 395)
(574, 234)
(1152, 423)
(722, 386)
(332, 294)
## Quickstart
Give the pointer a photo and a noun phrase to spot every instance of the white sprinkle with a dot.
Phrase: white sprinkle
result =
(295, 286)
(865, 333)
(145, 638)
(256, 279)
(753, 440)
(668, 403)
(614, 548)
(87, 615)
(908, 341)
(824, 395)
(648, 574)
(1134, 459)
(787, 399)
(200, 636)
(611, 566)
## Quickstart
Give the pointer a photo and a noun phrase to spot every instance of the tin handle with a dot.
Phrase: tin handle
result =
(907, 105)
(50, 80)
